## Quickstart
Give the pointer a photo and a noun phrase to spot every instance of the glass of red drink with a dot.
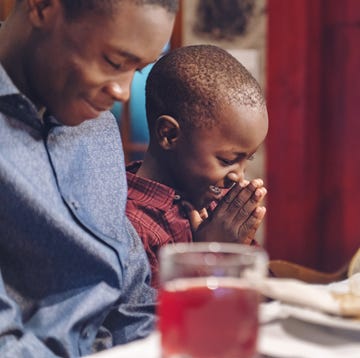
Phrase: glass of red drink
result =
(208, 303)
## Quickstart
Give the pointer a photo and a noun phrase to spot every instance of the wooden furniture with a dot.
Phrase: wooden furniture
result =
(287, 269)
(5, 7)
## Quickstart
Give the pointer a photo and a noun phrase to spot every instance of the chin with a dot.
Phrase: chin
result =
(74, 114)
(72, 120)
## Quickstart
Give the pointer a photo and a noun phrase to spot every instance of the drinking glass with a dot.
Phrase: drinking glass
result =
(208, 303)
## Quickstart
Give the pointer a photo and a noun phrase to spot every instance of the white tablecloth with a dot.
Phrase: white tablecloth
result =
(281, 336)
(291, 337)
(292, 328)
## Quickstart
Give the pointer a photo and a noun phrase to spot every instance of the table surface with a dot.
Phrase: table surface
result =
(281, 336)
(286, 331)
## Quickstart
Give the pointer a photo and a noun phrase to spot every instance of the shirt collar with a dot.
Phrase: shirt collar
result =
(148, 191)
(17, 104)
(7, 87)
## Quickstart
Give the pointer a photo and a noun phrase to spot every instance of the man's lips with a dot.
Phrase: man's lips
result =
(97, 108)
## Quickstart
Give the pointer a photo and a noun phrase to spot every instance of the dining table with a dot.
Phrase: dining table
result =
(287, 328)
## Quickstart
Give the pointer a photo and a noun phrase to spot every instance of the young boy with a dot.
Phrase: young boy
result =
(207, 117)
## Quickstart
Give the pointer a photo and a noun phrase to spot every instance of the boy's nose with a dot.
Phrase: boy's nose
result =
(236, 175)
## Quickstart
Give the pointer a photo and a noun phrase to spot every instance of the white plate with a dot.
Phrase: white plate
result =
(317, 317)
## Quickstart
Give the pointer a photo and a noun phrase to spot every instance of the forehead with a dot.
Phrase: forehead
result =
(140, 31)
(236, 129)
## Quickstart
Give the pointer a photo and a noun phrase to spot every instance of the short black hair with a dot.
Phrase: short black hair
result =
(193, 83)
(75, 8)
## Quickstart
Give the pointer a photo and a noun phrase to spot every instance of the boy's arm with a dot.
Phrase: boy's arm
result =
(236, 218)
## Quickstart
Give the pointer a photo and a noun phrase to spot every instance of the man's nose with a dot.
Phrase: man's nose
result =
(119, 89)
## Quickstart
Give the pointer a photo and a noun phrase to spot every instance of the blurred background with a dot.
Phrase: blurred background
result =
(306, 56)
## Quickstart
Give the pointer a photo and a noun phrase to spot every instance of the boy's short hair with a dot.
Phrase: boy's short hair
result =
(76, 8)
(193, 83)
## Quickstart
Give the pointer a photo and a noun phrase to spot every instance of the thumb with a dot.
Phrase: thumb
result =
(195, 217)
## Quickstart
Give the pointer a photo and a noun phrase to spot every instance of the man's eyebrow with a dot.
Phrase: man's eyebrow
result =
(128, 55)
(137, 59)
(131, 58)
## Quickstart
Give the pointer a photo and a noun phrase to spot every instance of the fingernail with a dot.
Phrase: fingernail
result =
(244, 183)
(258, 182)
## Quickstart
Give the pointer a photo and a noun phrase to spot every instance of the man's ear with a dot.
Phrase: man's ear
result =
(42, 13)
(167, 131)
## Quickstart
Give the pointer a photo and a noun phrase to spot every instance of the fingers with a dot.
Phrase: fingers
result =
(236, 218)
(195, 217)
(252, 224)
(240, 212)
(240, 201)
(250, 206)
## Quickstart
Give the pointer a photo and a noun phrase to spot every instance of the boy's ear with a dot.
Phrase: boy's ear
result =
(42, 13)
(167, 131)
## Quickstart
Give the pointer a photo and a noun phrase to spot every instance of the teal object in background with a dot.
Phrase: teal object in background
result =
(116, 110)
(139, 132)
(137, 111)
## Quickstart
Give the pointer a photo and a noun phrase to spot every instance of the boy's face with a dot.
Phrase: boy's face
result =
(77, 69)
(207, 161)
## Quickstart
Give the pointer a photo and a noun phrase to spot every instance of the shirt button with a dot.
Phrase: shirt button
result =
(85, 333)
(177, 197)
(75, 205)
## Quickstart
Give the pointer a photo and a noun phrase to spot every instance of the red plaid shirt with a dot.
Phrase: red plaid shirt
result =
(156, 212)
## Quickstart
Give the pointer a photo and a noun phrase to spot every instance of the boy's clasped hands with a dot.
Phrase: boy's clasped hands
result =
(235, 219)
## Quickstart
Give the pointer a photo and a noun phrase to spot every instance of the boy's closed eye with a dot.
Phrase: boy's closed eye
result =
(228, 162)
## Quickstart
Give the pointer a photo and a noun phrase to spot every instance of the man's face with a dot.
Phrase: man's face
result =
(77, 69)
(209, 161)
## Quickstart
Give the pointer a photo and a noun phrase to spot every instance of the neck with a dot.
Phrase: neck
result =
(13, 54)
(155, 169)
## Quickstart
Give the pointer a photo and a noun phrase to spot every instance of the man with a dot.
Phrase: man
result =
(74, 276)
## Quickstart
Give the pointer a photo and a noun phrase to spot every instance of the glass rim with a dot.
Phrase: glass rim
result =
(211, 247)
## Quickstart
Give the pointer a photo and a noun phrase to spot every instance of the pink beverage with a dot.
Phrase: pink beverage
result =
(208, 318)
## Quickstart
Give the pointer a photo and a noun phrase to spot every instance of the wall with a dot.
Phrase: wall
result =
(5, 7)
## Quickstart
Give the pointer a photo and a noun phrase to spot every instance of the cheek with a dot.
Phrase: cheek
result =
(84, 74)
(205, 175)
(82, 77)
(208, 168)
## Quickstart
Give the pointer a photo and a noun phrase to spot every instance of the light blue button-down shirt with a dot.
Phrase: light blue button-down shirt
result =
(74, 276)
